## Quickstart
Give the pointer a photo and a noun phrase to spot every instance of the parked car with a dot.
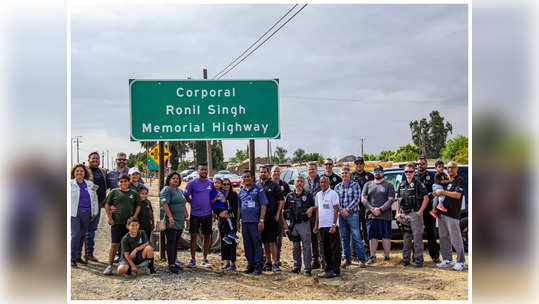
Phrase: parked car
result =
(184, 173)
(288, 175)
(191, 176)
(221, 174)
(235, 180)
(396, 175)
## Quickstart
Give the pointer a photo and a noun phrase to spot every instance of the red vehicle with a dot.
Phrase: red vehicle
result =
(235, 180)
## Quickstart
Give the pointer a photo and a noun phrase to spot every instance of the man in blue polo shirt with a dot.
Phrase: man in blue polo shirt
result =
(252, 207)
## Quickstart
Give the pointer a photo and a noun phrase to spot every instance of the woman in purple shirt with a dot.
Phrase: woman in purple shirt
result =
(84, 206)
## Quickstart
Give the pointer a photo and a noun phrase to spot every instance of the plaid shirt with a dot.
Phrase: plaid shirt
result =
(349, 195)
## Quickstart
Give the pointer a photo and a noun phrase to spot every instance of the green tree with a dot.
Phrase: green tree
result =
(298, 156)
(385, 155)
(218, 158)
(430, 135)
(452, 146)
(314, 157)
(406, 153)
(280, 155)
(461, 156)
(369, 157)
(239, 156)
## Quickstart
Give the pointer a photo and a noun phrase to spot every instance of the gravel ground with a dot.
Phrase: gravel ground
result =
(382, 281)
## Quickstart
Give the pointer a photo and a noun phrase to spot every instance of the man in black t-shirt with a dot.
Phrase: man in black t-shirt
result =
(361, 177)
(334, 179)
(449, 222)
(285, 189)
(271, 220)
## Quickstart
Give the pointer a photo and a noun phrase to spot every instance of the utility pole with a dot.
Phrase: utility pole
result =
(252, 166)
(161, 185)
(268, 151)
(76, 138)
(362, 140)
(103, 159)
(209, 157)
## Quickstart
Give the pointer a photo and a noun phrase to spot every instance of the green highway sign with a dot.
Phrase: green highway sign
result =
(203, 109)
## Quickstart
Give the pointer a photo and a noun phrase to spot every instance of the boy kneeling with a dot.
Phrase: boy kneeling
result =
(135, 249)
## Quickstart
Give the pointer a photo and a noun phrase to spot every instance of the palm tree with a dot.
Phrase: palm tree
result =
(280, 155)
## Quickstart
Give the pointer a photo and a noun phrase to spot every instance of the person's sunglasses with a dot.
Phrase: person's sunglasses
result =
(121, 159)
(328, 164)
(378, 171)
(226, 184)
(451, 167)
(422, 164)
(409, 171)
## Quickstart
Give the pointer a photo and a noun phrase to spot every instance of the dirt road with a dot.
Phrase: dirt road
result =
(382, 281)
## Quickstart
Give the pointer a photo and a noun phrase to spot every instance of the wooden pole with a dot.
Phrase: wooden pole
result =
(252, 165)
(161, 185)
(209, 157)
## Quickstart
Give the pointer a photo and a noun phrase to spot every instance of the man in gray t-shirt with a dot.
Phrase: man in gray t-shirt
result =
(377, 197)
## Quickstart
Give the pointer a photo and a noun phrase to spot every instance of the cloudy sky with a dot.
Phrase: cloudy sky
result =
(346, 71)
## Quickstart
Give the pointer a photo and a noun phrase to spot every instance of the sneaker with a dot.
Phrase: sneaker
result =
(459, 267)
(434, 215)
(386, 258)
(73, 264)
(192, 264)
(296, 270)
(267, 267)
(327, 275)
(173, 269)
(307, 273)
(249, 270)
(362, 265)
(258, 271)
(275, 268)
(418, 265)
(445, 264)
(441, 208)
(436, 261)
(405, 263)
(108, 270)
(116, 259)
(152, 269)
(225, 267)
(79, 260)
(178, 262)
(371, 260)
(232, 267)
(346, 264)
(233, 236)
(315, 265)
(91, 258)
(206, 264)
(227, 240)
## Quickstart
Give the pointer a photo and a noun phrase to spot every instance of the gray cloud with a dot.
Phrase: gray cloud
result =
(346, 71)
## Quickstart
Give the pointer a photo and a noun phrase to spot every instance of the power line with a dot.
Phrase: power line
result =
(262, 43)
(231, 63)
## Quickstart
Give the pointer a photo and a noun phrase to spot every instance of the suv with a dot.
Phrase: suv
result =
(396, 175)
(288, 175)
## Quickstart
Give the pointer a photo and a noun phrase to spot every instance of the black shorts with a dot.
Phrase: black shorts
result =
(270, 232)
(137, 260)
(197, 221)
(117, 232)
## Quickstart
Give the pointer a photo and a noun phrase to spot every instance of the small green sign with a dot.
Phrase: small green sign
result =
(203, 109)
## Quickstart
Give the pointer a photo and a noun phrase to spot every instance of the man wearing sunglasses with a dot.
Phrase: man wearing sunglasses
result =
(334, 179)
(413, 199)
(449, 222)
(361, 177)
(377, 197)
(427, 178)
(121, 168)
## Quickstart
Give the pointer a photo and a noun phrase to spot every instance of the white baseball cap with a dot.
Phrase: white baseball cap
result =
(134, 170)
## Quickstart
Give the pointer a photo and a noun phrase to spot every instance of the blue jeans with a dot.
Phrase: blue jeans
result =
(90, 235)
(350, 225)
(437, 199)
(252, 244)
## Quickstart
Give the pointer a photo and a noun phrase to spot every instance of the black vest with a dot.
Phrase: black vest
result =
(297, 206)
(410, 194)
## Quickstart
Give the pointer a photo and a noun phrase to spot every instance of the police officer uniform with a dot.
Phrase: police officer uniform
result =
(285, 189)
(410, 199)
(299, 228)
(334, 180)
(430, 222)
(362, 178)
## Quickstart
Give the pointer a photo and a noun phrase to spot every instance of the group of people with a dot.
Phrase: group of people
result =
(324, 216)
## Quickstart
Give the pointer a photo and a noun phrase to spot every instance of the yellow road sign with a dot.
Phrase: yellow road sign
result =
(154, 154)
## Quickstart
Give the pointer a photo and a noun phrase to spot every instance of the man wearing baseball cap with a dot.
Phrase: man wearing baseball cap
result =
(361, 177)
(378, 196)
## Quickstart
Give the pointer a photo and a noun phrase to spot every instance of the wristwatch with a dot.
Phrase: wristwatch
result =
(262, 220)
(334, 225)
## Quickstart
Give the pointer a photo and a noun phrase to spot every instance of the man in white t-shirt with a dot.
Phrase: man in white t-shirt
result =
(327, 213)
